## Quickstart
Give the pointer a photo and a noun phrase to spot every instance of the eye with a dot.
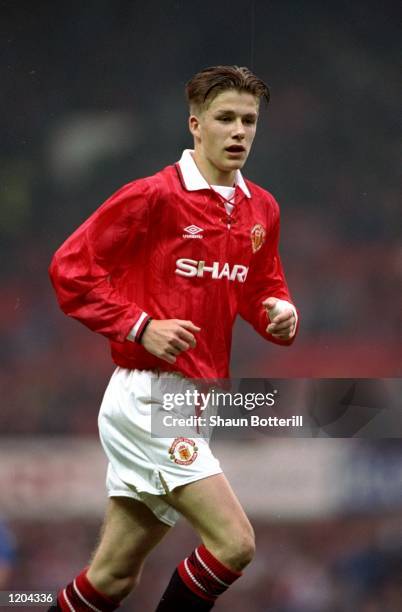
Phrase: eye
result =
(225, 119)
(250, 121)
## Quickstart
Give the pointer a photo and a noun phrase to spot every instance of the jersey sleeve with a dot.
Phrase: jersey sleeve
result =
(82, 269)
(265, 279)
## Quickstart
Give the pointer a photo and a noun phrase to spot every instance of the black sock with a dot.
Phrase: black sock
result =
(177, 595)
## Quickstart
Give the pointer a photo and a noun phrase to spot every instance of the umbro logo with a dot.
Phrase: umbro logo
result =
(192, 231)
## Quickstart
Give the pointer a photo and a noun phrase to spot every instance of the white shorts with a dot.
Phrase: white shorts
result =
(140, 466)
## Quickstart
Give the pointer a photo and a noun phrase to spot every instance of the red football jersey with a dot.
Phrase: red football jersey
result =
(165, 247)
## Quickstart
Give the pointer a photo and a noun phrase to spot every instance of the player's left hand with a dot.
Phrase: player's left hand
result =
(282, 318)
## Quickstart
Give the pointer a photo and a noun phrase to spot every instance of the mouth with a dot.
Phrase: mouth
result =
(235, 149)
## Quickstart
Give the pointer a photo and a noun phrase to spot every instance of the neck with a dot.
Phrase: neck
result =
(212, 174)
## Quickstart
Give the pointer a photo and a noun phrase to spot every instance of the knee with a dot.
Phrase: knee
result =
(243, 551)
(239, 550)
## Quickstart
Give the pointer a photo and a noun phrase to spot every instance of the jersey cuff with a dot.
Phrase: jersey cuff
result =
(135, 332)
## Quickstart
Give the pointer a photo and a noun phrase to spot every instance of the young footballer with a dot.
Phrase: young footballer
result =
(162, 269)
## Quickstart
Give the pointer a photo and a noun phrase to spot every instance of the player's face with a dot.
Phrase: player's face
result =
(223, 134)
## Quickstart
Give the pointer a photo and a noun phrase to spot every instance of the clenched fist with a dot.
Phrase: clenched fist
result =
(167, 338)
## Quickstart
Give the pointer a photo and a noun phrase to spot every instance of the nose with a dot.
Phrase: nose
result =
(239, 132)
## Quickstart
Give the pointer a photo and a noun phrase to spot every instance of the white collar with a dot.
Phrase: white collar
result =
(193, 179)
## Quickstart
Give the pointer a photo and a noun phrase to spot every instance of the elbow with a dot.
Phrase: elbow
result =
(52, 269)
(55, 274)
(59, 284)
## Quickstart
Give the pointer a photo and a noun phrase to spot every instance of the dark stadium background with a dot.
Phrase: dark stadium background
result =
(91, 97)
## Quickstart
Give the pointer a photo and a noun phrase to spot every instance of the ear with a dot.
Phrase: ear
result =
(194, 125)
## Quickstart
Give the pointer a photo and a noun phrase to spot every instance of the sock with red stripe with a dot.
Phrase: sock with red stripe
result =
(197, 582)
(81, 596)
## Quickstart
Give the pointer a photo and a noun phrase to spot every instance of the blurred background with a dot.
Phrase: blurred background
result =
(92, 97)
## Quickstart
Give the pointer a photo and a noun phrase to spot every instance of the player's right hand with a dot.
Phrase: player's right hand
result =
(167, 338)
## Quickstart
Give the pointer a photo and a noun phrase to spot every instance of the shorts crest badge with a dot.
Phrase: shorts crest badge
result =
(183, 451)
(257, 237)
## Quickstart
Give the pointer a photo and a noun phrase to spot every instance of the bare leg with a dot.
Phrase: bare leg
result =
(212, 508)
(129, 533)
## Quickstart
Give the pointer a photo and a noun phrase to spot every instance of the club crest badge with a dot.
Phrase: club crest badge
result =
(183, 451)
(257, 237)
